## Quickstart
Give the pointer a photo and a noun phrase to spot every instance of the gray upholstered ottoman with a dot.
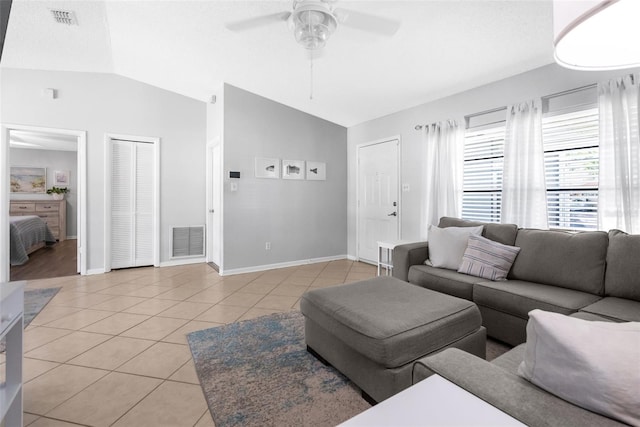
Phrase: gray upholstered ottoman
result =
(372, 331)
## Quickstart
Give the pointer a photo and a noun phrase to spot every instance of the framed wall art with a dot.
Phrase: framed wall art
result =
(293, 169)
(316, 171)
(28, 180)
(267, 168)
(61, 178)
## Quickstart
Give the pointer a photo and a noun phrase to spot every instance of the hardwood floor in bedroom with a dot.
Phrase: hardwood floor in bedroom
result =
(54, 261)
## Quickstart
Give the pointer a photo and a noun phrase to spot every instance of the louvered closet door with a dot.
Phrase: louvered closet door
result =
(143, 216)
(121, 204)
(132, 193)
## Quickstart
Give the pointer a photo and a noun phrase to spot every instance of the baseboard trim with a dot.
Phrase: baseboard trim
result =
(183, 261)
(265, 267)
(95, 271)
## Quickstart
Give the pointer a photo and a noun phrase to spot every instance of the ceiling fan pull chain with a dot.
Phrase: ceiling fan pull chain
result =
(311, 77)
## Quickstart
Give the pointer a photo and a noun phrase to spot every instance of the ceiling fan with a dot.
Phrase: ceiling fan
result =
(313, 21)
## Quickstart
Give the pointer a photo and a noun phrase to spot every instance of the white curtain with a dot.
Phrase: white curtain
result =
(524, 195)
(442, 175)
(619, 188)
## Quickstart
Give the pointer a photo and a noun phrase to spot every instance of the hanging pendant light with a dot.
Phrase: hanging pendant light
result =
(596, 34)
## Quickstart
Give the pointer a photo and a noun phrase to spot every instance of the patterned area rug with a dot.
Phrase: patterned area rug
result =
(258, 373)
(34, 301)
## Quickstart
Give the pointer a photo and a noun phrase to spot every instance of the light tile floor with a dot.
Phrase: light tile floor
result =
(110, 350)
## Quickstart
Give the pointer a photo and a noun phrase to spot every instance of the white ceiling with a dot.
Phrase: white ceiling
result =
(442, 47)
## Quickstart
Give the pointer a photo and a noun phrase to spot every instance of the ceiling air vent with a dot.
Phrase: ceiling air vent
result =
(64, 16)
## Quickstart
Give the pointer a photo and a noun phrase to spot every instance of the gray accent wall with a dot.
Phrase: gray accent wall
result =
(543, 81)
(303, 220)
(53, 160)
(106, 103)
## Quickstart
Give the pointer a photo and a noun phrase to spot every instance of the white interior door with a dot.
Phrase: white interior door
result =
(378, 203)
(214, 203)
(132, 203)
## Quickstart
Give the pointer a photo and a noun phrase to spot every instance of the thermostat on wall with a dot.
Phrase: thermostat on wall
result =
(234, 174)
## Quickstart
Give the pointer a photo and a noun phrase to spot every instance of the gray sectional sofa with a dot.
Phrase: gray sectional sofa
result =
(499, 384)
(592, 275)
(588, 275)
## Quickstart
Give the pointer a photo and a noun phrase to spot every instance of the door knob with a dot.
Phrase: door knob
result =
(393, 214)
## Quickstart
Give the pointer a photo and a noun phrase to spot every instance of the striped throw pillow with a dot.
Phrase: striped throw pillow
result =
(487, 259)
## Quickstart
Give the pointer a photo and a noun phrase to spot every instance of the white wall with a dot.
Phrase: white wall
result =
(303, 220)
(52, 160)
(106, 103)
(540, 82)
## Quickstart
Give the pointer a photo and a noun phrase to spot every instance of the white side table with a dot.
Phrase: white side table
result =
(385, 255)
(11, 324)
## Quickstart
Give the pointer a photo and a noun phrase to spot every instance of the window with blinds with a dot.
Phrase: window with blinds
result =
(571, 165)
(483, 165)
(482, 172)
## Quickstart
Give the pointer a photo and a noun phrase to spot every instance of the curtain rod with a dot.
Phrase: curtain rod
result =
(493, 110)
(570, 91)
(450, 121)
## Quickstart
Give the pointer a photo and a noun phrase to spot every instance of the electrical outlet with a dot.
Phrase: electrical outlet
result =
(267, 246)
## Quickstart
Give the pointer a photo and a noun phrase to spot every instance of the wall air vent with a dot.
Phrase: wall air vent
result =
(64, 16)
(188, 241)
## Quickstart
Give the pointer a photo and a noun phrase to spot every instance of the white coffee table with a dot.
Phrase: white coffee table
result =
(433, 402)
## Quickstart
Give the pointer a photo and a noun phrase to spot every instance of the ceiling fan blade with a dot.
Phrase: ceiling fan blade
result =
(367, 22)
(257, 22)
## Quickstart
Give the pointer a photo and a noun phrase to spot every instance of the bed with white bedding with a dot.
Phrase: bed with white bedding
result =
(27, 234)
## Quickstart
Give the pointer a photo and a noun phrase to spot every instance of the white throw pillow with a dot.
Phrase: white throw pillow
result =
(447, 245)
(594, 365)
(487, 259)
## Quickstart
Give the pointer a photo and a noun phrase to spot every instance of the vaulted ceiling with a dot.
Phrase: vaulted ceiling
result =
(441, 48)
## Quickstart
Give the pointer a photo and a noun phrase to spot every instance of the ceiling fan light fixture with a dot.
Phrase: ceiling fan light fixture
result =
(312, 25)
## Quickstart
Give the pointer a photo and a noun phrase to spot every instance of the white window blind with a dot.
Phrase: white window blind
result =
(571, 165)
(482, 173)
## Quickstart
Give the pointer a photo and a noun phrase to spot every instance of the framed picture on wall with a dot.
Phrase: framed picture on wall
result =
(267, 168)
(293, 169)
(61, 178)
(316, 171)
(28, 180)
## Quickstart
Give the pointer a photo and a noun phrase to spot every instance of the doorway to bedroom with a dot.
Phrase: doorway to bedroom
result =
(45, 199)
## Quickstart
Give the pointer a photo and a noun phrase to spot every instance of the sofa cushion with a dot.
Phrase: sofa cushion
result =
(623, 269)
(503, 233)
(615, 309)
(518, 298)
(487, 259)
(447, 245)
(570, 260)
(506, 391)
(591, 364)
(590, 316)
(390, 321)
(445, 281)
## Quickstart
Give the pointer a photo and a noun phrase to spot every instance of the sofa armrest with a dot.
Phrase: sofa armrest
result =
(506, 391)
(404, 256)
